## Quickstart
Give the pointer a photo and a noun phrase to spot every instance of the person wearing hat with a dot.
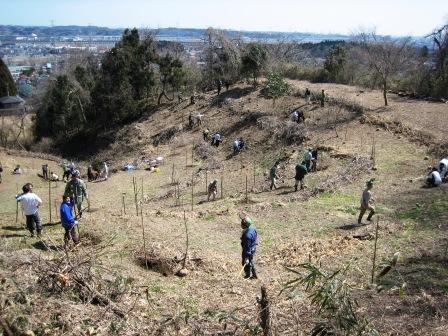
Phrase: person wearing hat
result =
(212, 189)
(249, 245)
(366, 200)
(77, 191)
(68, 221)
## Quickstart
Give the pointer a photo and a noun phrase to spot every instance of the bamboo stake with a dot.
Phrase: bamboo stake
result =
(186, 243)
(375, 246)
(222, 184)
(186, 158)
(142, 190)
(123, 202)
(17, 205)
(134, 182)
(49, 198)
(172, 174)
(192, 154)
(206, 181)
(144, 239)
(192, 190)
(254, 175)
(247, 200)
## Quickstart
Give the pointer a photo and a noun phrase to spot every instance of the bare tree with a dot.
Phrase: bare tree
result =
(222, 57)
(440, 38)
(385, 56)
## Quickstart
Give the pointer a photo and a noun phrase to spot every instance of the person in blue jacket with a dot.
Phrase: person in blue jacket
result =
(249, 245)
(68, 222)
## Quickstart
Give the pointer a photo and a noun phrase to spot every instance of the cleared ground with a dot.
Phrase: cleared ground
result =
(291, 226)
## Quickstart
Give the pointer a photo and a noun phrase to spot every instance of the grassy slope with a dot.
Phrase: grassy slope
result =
(289, 230)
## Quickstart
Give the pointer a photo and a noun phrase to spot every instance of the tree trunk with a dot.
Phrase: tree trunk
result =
(385, 93)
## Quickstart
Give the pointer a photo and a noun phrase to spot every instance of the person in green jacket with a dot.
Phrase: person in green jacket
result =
(301, 171)
(273, 175)
(76, 189)
(322, 98)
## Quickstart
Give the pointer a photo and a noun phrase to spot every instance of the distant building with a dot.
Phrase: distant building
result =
(8, 102)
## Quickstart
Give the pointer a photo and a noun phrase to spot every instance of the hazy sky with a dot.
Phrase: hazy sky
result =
(390, 17)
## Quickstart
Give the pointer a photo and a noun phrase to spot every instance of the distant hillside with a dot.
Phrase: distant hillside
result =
(186, 33)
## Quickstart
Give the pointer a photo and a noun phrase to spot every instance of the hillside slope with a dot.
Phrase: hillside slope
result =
(292, 226)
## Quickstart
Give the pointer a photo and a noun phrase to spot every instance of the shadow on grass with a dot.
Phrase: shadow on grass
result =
(12, 235)
(40, 245)
(426, 272)
(12, 228)
(51, 224)
(352, 226)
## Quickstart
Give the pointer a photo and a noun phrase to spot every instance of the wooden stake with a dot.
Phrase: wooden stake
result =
(247, 200)
(123, 202)
(186, 158)
(254, 175)
(134, 182)
(206, 182)
(192, 190)
(142, 190)
(49, 198)
(192, 154)
(222, 184)
(172, 174)
(144, 239)
(186, 242)
(374, 249)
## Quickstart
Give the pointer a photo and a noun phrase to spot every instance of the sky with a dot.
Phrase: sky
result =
(389, 17)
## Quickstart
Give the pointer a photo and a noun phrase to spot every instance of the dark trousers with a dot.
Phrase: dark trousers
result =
(45, 174)
(33, 223)
(249, 268)
(71, 234)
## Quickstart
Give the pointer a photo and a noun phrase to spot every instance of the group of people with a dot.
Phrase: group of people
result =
(102, 173)
(308, 164)
(438, 174)
(70, 209)
(48, 175)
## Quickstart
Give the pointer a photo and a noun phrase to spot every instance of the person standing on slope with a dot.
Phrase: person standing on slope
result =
(249, 245)
(273, 175)
(30, 203)
(68, 222)
(76, 190)
(301, 171)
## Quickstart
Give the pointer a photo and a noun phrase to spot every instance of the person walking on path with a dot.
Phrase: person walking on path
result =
(76, 190)
(273, 175)
(366, 202)
(248, 245)
(212, 190)
(301, 171)
(68, 222)
(30, 203)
